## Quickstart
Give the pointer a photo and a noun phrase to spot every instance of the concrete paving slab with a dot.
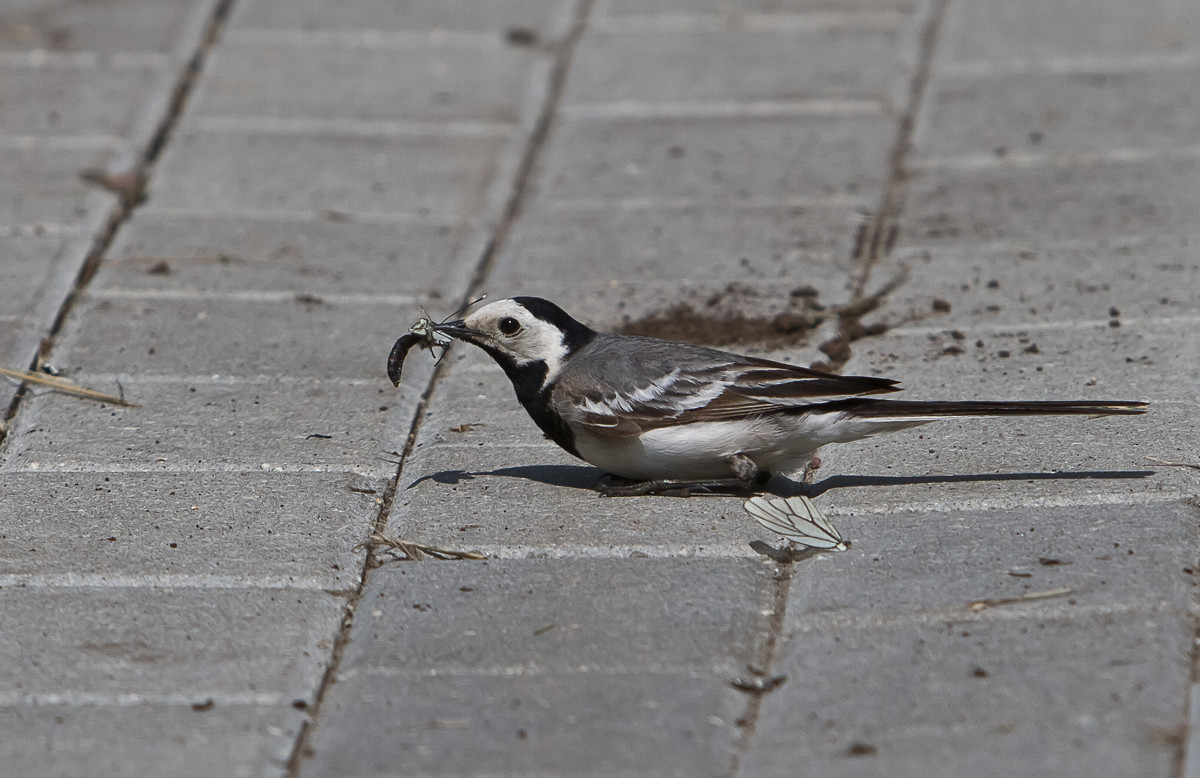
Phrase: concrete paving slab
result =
(1006, 285)
(1061, 113)
(716, 160)
(296, 335)
(324, 256)
(121, 740)
(19, 340)
(31, 268)
(434, 83)
(1038, 203)
(1081, 748)
(187, 644)
(36, 272)
(48, 102)
(519, 665)
(232, 172)
(671, 724)
(1143, 359)
(201, 426)
(973, 680)
(605, 265)
(604, 639)
(40, 185)
(651, 67)
(118, 26)
(998, 33)
(610, 616)
(244, 528)
(928, 565)
(733, 10)
(542, 16)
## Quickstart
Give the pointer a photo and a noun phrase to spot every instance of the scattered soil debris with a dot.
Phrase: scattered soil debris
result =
(850, 322)
(744, 315)
(858, 748)
(521, 36)
(721, 318)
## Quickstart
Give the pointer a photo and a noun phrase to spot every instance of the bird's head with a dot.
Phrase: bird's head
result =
(522, 332)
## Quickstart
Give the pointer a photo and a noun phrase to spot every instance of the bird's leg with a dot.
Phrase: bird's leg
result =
(743, 467)
(745, 475)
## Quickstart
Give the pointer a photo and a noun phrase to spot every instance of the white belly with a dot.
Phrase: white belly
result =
(697, 451)
(778, 444)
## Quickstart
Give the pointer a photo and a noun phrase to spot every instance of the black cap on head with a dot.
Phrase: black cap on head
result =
(576, 334)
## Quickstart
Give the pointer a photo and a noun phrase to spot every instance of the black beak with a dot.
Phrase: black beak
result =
(457, 329)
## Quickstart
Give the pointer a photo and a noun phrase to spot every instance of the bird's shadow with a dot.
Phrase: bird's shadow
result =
(570, 476)
(585, 478)
(845, 481)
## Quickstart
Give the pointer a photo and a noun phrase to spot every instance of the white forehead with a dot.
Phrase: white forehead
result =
(496, 311)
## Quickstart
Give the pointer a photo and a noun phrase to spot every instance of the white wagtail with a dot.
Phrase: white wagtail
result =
(675, 417)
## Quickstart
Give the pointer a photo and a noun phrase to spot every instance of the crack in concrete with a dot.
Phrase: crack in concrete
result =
(781, 583)
(536, 141)
(130, 189)
(877, 237)
(873, 242)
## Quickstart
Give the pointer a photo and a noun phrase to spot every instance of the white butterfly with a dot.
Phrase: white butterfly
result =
(798, 520)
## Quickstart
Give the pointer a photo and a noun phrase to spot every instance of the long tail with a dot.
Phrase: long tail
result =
(916, 411)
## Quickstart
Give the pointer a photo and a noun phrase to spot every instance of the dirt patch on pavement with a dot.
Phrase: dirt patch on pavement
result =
(741, 315)
(738, 315)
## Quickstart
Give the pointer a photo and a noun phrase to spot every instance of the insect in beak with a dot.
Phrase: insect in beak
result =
(428, 335)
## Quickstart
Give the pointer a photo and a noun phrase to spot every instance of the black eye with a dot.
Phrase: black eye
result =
(509, 326)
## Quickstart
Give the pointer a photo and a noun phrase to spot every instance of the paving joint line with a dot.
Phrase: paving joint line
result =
(511, 210)
(1183, 754)
(874, 241)
(877, 237)
(1186, 752)
(781, 585)
(128, 198)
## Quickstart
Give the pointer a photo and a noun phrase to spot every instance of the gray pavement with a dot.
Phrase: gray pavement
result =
(183, 585)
